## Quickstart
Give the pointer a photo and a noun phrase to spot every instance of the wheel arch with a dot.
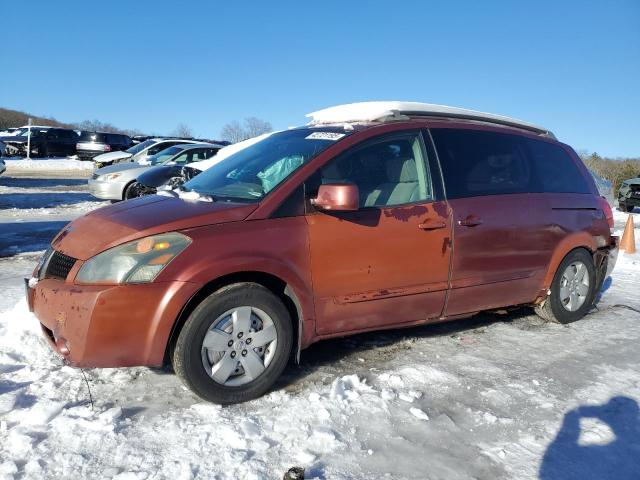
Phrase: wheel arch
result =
(579, 240)
(273, 283)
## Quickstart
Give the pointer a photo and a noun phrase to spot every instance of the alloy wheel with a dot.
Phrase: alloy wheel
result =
(574, 286)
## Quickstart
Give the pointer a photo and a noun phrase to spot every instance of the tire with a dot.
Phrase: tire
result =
(43, 151)
(132, 191)
(555, 307)
(628, 208)
(192, 360)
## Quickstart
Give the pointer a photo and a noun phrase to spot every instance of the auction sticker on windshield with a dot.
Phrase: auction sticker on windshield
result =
(325, 136)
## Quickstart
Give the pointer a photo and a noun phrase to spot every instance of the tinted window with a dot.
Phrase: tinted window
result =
(114, 139)
(388, 171)
(140, 146)
(160, 146)
(555, 170)
(67, 134)
(92, 137)
(476, 163)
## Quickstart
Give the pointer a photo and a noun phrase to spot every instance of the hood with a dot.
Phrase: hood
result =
(122, 222)
(157, 176)
(15, 139)
(110, 156)
(119, 167)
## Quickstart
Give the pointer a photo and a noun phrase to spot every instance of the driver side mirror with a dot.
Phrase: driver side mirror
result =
(337, 197)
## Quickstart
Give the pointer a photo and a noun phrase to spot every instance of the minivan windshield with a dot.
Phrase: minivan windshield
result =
(141, 146)
(254, 171)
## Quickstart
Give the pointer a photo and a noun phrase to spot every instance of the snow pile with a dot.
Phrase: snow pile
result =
(381, 111)
(48, 165)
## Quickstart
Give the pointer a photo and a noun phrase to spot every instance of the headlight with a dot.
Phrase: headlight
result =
(139, 261)
(109, 176)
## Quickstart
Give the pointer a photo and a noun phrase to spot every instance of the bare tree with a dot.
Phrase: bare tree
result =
(252, 127)
(233, 132)
(255, 126)
(182, 130)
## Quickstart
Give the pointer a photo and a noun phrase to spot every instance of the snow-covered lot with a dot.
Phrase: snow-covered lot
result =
(486, 398)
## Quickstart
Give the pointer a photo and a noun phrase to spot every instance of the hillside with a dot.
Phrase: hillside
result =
(15, 118)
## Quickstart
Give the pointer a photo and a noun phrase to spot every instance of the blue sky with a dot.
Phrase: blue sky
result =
(572, 66)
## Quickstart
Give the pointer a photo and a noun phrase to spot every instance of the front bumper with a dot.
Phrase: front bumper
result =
(108, 325)
(630, 200)
(112, 190)
(88, 154)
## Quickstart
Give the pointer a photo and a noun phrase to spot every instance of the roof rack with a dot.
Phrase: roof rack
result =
(390, 111)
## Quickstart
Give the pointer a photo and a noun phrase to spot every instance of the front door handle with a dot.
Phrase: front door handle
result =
(431, 225)
(470, 221)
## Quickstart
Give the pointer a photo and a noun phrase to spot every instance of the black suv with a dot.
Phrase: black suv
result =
(46, 142)
(92, 144)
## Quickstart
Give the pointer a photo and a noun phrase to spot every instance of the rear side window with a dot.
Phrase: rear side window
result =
(160, 146)
(555, 170)
(477, 163)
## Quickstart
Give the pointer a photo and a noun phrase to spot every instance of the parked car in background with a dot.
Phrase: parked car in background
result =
(629, 194)
(346, 225)
(92, 144)
(138, 153)
(119, 182)
(8, 131)
(163, 178)
(16, 142)
(172, 172)
(45, 142)
(605, 187)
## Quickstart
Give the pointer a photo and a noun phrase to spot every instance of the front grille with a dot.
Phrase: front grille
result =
(59, 266)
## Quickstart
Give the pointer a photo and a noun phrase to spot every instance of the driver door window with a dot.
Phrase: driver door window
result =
(388, 171)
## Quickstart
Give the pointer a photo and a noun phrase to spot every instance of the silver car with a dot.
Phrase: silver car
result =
(118, 182)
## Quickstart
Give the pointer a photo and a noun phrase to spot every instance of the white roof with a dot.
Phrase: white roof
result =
(386, 111)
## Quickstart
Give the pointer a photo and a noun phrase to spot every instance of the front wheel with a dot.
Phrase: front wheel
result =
(572, 291)
(133, 191)
(234, 345)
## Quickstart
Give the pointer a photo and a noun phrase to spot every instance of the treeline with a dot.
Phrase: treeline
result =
(232, 132)
(14, 118)
(613, 169)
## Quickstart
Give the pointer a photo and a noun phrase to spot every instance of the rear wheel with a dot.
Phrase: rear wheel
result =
(628, 208)
(572, 291)
(234, 345)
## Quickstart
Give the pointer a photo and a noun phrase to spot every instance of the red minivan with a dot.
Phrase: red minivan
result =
(376, 215)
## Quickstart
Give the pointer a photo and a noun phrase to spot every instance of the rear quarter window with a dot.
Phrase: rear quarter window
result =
(555, 170)
(478, 163)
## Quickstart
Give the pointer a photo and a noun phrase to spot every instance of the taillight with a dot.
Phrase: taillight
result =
(606, 209)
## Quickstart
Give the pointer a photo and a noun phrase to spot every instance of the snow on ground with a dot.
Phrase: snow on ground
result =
(33, 210)
(486, 398)
(48, 165)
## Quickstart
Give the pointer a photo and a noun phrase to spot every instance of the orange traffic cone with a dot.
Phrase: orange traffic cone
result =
(628, 242)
